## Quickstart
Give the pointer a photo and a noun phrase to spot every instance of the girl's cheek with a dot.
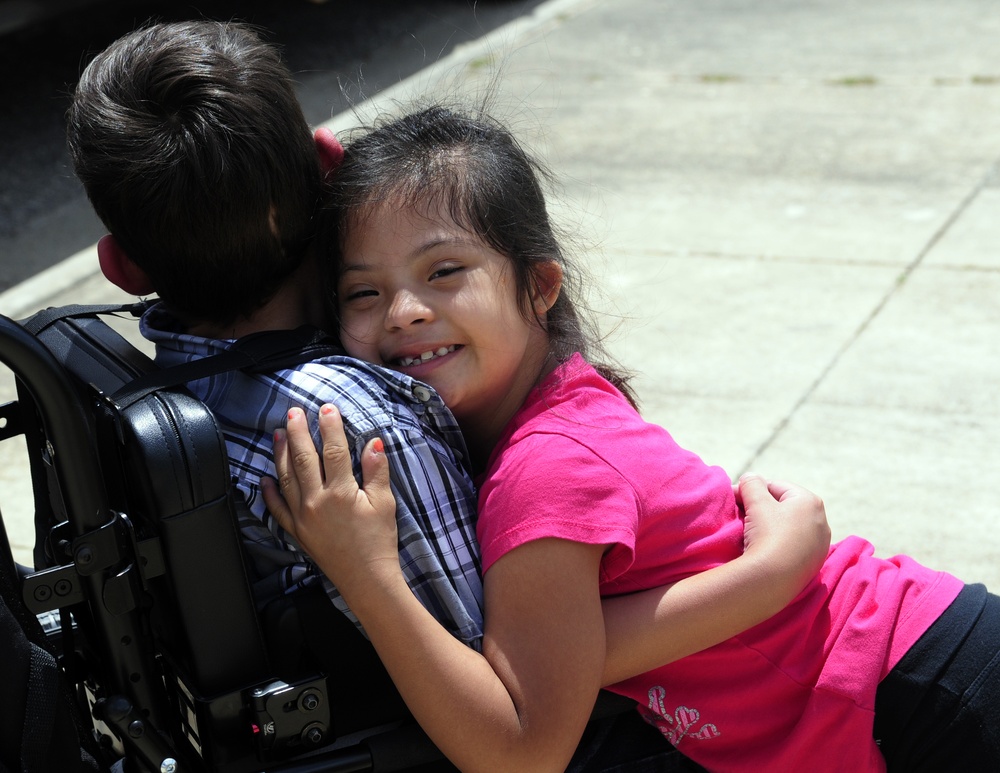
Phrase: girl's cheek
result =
(361, 353)
(356, 343)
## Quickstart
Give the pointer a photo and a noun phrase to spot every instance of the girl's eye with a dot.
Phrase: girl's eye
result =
(355, 295)
(446, 271)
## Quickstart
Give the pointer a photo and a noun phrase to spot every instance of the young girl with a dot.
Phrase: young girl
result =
(449, 272)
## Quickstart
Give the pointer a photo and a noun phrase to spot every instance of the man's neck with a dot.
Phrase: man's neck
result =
(294, 305)
(264, 319)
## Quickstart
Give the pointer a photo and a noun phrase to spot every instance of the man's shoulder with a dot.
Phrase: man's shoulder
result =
(345, 372)
(368, 397)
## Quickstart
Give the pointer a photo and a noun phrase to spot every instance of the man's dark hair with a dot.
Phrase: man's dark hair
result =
(194, 152)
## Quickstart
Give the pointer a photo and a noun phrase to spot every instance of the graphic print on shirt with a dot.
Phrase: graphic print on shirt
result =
(680, 723)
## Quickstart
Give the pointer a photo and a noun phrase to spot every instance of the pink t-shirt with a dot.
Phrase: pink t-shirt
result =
(578, 463)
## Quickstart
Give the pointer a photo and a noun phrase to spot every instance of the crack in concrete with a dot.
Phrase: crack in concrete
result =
(985, 182)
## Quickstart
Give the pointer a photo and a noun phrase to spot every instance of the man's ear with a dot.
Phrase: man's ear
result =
(547, 285)
(331, 152)
(119, 268)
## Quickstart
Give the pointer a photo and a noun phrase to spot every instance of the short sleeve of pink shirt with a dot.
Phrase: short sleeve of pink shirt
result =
(552, 487)
(579, 463)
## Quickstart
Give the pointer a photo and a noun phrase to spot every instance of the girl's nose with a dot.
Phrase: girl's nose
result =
(407, 308)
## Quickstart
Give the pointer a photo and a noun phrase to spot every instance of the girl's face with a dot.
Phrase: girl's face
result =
(423, 296)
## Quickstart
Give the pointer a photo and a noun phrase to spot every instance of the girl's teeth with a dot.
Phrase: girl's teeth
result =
(430, 355)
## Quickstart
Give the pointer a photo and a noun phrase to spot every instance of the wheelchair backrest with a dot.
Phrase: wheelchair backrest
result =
(137, 545)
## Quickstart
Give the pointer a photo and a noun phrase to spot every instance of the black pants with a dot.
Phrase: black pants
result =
(939, 708)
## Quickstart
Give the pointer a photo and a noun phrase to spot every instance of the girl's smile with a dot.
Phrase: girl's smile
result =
(421, 295)
(425, 357)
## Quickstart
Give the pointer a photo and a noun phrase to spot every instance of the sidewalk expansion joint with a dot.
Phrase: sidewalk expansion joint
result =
(912, 266)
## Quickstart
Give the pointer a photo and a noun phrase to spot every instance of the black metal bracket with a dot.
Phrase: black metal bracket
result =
(136, 733)
(289, 718)
(100, 550)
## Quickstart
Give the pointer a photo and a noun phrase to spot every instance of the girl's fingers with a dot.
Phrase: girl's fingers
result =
(338, 468)
(754, 490)
(781, 490)
(375, 477)
(299, 470)
(277, 505)
(310, 484)
(287, 480)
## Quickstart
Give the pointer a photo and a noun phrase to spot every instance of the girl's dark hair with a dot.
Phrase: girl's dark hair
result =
(472, 168)
(190, 142)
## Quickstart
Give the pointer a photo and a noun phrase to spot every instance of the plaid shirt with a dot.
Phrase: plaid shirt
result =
(435, 497)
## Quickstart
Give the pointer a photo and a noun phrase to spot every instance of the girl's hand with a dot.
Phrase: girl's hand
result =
(350, 531)
(521, 704)
(786, 539)
(785, 526)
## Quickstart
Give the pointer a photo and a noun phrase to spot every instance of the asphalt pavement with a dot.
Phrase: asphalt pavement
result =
(790, 214)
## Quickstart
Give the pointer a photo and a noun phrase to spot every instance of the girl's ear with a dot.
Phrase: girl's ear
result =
(119, 268)
(547, 284)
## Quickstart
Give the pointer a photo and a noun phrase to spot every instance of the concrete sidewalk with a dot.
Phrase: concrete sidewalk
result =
(791, 212)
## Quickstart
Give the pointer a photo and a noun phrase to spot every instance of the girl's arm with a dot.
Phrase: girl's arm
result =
(523, 703)
(786, 540)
